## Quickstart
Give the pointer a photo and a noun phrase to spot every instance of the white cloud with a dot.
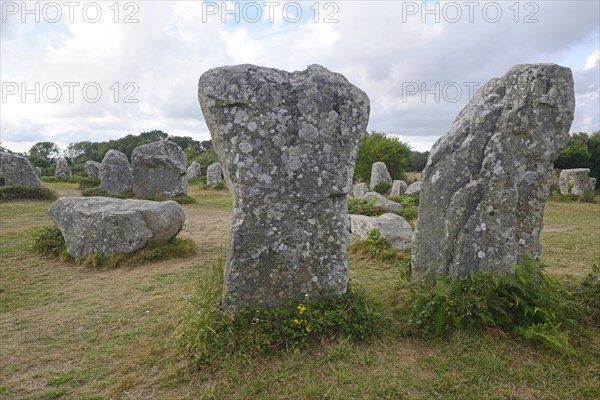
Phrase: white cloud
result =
(592, 60)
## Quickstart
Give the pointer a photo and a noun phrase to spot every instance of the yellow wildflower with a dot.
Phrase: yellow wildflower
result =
(296, 322)
(301, 308)
(308, 328)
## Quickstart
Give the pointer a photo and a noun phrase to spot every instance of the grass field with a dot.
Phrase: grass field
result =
(67, 332)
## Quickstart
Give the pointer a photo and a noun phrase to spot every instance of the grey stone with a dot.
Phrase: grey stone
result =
(382, 201)
(38, 171)
(92, 169)
(359, 190)
(392, 228)
(288, 144)
(193, 171)
(214, 174)
(62, 168)
(576, 181)
(115, 173)
(413, 188)
(17, 171)
(159, 170)
(486, 181)
(109, 226)
(379, 173)
(398, 188)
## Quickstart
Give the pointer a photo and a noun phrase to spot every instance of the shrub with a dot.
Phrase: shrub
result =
(96, 191)
(365, 207)
(87, 183)
(8, 193)
(68, 179)
(48, 240)
(410, 205)
(207, 333)
(382, 188)
(376, 146)
(570, 198)
(376, 247)
(528, 303)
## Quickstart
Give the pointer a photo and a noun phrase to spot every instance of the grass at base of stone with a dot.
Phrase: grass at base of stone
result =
(81, 180)
(10, 193)
(208, 334)
(572, 198)
(175, 248)
(48, 241)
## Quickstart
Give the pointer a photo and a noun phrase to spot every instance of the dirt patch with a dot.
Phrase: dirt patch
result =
(558, 228)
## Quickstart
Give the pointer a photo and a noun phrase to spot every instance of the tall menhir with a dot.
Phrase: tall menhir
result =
(287, 143)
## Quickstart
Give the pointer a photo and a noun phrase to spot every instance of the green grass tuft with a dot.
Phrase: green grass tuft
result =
(365, 207)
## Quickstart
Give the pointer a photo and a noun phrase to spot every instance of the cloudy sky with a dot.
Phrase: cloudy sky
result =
(75, 70)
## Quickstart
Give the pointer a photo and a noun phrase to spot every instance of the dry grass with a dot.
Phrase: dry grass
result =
(73, 333)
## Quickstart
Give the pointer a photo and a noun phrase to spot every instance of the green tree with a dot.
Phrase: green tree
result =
(576, 154)
(46, 150)
(377, 146)
(418, 160)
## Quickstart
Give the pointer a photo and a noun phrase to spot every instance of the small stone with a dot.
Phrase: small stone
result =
(115, 173)
(159, 170)
(576, 181)
(359, 190)
(392, 228)
(62, 168)
(398, 188)
(382, 201)
(413, 188)
(379, 174)
(214, 174)
(92, 169)
(193, 171)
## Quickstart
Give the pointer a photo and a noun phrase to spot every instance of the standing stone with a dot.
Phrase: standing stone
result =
(359, 190)
(159, 170)
(392, 228)
(398, 188)
(486, 181)
(288, 144)
(413, 188)
(379, 173)
(576, 181)
(62, 168)
(214, 174)
(17, 171)
(115, 173)
(193, 171)
(38, 171)
(92, 169)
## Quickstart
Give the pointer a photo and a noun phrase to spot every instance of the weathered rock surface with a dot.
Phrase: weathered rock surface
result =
(379, 173)
(486, 181)
(110, 226)
(214, 174)
(17, 171)
(398, 188)
(392, 227)
(92, 169)
(159, 170)
(193, 171)
(576, 181)
(413, 188)
(359, 190)
(382, 201)
(62, 168)
(288, 144)
(115, 173)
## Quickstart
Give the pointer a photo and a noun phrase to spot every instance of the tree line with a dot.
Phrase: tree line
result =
(582, 151)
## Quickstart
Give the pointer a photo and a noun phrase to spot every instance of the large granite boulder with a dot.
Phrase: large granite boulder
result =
(109, 226)
(17, 171)
(576, 181)
(193, 171)
(214, 174)
(115, 173)
(413, 188)
(398, 188)
(62, 168)
(392, 228)
(379, 174)
(288, 144)
(381, 201)
(486, 181)
(92, 169)
(159, 170)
